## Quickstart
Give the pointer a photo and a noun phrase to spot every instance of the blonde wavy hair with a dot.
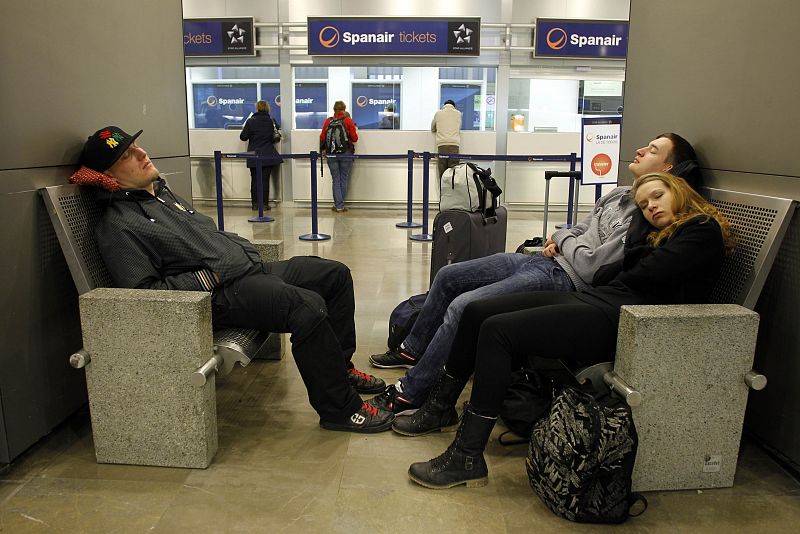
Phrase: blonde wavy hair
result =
(686, 205)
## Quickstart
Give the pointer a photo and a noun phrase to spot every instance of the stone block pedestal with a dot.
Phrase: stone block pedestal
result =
(144, 345)
(688, 362)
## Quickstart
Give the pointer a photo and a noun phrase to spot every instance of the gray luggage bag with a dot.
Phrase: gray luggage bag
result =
(463, 235)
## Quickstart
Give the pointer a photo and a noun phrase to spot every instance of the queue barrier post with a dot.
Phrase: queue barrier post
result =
(408, 223)
(218, 178)
(426, 176)
(314, 235)
(260, 194)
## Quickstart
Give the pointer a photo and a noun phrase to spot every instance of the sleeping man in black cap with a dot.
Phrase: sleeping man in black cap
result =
(151, 238)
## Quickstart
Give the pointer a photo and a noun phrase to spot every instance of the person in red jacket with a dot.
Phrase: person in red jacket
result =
(338, 137)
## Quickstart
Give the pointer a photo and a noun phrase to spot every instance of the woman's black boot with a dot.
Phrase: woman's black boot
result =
(438, 412)
(462, 462)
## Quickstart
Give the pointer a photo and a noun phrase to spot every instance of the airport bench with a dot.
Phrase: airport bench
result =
(150, 356)
(686, 370)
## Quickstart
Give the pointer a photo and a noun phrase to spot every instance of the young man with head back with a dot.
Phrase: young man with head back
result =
(569, 262)
(151, 238)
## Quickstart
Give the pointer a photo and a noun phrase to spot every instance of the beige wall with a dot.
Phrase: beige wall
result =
(69, 68)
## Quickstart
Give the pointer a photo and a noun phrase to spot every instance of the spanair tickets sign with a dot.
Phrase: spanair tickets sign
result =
(568, 38)
(366, 36)
(213, 37)
(600, 150)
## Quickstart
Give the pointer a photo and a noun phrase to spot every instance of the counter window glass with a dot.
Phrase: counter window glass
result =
(376, 106)
(223, 105)
(223, 97)
(555, 105)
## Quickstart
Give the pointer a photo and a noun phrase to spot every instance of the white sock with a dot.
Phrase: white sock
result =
(398, 386)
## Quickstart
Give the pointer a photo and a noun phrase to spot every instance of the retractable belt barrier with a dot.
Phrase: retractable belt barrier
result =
(313, 156)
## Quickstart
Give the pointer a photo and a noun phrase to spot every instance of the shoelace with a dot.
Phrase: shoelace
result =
(371, 410)
(363, 376)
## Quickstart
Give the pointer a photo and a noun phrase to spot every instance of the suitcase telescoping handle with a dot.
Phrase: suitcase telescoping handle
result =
(547, 176)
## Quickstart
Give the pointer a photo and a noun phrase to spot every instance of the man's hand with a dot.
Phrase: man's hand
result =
(550, 249)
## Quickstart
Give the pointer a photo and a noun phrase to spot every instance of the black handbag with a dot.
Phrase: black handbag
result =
(276, 133)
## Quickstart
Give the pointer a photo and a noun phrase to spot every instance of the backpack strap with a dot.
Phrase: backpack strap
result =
(634, 498)
(486, 183)
(513, 440)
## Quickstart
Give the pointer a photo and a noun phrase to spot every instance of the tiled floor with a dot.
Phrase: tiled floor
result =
(277, 471)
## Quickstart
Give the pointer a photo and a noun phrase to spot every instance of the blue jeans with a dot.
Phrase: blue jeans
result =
(340, 172)
(454, 287)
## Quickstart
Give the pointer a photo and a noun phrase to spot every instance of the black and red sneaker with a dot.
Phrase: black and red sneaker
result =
(393, 401)
(368, 419)
(364, 383)
(392, 359)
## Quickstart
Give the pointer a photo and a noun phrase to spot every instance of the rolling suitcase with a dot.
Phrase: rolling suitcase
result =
(463, 235)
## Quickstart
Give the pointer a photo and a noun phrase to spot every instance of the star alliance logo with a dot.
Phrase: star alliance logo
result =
(236, 34)
(463, 35)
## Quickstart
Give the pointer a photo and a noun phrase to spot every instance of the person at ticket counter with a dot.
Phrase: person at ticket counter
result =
(259, 132)
(446, 125)
(347, 135)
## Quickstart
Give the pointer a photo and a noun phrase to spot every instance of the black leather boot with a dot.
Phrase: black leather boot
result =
(462, 462)
(438, 412)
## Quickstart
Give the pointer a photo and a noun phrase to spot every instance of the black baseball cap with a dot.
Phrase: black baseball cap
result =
(104, 147)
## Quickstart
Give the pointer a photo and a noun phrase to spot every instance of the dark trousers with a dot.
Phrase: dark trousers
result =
(500, 334)
(266, 172)
(443, 164)
(311, 298)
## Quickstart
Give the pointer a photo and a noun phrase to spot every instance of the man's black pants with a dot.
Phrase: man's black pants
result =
(311, 298)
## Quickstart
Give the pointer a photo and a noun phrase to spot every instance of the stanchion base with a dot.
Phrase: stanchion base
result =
(406, 224)
(421, 237)
(314, 237)
(565, 225)
(260, 219)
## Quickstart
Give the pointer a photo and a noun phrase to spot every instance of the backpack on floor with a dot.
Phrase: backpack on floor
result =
(403, 318)
(581, 455)
(336, 140)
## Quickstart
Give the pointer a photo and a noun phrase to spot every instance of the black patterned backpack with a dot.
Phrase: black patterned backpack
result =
(580, 459)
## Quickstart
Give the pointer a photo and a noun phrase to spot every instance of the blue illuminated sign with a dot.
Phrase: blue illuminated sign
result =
(310, 105)
(218, 37)
(603, 39)
(271, 93)
(376, 105)
(223, 105)
(341, 36)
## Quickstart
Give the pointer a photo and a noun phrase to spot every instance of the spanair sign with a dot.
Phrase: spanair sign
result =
(366, 36)
(600, 149)
(568, 38)
(226, 36)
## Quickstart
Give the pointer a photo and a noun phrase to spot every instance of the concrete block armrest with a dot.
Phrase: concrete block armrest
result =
(269, 249)
(676, 344)
(136, 322)
(688, 311)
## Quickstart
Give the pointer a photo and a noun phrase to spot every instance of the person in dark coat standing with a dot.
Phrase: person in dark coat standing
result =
(259, 131)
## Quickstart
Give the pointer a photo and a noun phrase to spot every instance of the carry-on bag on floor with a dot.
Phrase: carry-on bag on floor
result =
(465, 235)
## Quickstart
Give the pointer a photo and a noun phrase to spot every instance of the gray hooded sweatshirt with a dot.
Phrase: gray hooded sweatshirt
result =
(597, 240)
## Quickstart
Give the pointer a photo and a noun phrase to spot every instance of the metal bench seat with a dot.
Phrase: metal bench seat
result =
(686, 370)
(74, 213)
(151, 357)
